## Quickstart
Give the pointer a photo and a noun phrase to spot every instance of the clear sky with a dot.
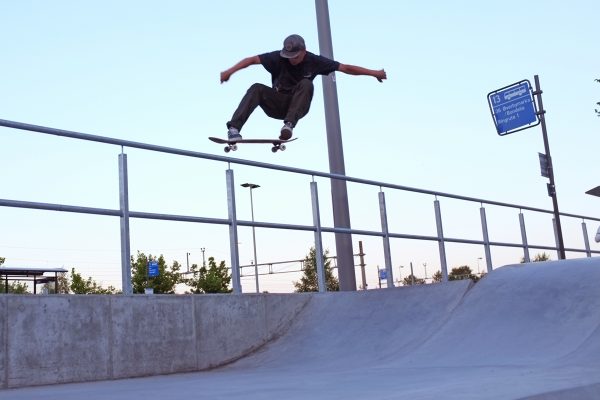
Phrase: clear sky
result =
(148, 71)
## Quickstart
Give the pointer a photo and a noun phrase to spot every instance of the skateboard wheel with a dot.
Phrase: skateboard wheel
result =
(282, 147)
(227, 149)
(274, 149)
(234, 147)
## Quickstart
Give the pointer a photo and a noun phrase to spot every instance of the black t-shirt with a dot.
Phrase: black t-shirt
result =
(285, 76)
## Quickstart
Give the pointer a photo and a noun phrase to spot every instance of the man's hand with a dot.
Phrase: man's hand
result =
(225, 75)
(246, 62)
(381, 75)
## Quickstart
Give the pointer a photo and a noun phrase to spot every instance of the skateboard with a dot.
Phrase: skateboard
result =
(278, 144)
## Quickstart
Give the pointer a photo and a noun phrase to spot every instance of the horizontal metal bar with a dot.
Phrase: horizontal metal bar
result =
(222, 221)
(58, 207)
(188, 153)
(273, 225)
(182, 218)
(351, 231)
(144, 215)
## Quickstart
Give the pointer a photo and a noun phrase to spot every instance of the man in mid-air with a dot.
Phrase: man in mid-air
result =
(292, 71)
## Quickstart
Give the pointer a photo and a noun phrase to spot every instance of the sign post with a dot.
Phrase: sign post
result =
(551, 185)
(513, 109)
(152, 272)
(152, 269)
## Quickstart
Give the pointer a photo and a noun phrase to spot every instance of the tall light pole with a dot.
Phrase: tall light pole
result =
(478, 258)
(253, 186)
(203, 259)
(425, 266)
(400, 275)
(339, 191)
(187, 257)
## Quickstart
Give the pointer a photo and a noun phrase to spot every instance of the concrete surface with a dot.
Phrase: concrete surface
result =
(59, 339)
(523, 332)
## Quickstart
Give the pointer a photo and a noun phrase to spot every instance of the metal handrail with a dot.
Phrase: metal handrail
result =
(124, 213)
(232, 160)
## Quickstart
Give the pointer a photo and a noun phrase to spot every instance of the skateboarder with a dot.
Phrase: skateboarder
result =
(292, 71)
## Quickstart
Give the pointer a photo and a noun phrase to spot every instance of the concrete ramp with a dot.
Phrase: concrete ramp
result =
(351, 329)
(542, 313)
(528, 331)
(522, 331)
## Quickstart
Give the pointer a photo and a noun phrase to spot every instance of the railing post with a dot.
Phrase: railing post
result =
(314, 194)
(586, 239)
(233, 236)
(486, 240)
(524, 238)
(556, 240)
(124, 221)
(442, 246)
(386, 241)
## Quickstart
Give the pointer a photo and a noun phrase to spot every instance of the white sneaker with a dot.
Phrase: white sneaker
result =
(233, 134)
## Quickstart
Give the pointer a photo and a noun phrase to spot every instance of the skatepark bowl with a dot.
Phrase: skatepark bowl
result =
(526, 331)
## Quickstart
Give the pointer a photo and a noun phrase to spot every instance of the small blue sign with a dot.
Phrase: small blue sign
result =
(513, 108)
(152, 269)
(382, 274)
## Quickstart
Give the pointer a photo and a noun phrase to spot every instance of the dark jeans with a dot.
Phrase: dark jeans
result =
(289, 107)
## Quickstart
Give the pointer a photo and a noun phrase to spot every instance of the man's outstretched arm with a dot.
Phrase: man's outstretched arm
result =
(379, 74)
(246, 62)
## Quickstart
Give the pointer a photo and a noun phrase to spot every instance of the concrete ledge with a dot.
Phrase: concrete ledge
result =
(72, 338)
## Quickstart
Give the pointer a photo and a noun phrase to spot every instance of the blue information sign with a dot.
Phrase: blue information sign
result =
(513, 108)
(382, 274)
(153, 268)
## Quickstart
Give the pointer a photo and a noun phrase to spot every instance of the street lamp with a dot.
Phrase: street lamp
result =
(187, 256)
(425, 266)
(203, 260)
(253, 186)
(478, 258)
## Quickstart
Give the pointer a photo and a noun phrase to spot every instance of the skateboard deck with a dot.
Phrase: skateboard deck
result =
(278, 144)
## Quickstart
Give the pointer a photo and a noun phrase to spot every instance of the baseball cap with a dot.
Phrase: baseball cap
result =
(292, 45)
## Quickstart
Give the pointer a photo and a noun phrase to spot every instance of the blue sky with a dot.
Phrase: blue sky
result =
(149, 71)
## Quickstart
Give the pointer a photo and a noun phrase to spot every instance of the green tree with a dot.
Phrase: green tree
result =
(309, 281)
(463, 272)
(79, 285)
(214, 279)
(437, 277)
(408, 280)
(63, 284)
(17, 288)
(538, 257)
(2, 259)
(164, 283)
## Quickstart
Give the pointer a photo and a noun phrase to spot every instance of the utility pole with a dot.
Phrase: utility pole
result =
(362, 265)
(339, 191)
